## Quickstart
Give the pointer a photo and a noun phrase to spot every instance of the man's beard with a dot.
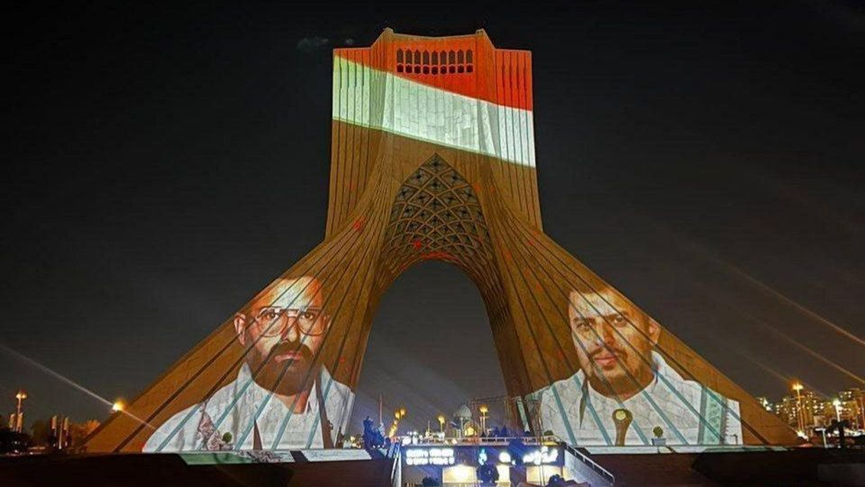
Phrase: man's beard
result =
(620, 376)
(290, 360)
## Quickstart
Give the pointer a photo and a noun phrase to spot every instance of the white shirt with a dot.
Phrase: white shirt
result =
(243, 406)
(687, 412)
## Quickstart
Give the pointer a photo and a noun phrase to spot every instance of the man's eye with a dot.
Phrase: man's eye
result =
(308, 315)
(619, 320)
(581, 326)
(270, 315)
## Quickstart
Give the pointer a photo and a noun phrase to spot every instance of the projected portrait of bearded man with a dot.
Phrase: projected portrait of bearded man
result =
(282, 397)
(625, 388)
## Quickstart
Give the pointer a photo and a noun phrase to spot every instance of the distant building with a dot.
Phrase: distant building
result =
(766, 403)
(812, 411)
(818, 412)
(851, 408)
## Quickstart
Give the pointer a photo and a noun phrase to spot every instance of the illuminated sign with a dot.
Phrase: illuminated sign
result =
(542, 456)
(430, 456)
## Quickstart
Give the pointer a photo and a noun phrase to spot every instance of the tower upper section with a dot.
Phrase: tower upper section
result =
(436, 88)
(458, 92)
(467, 65)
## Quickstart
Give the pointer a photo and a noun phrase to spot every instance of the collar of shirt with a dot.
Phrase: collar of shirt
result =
(274, 419)
(256, 395)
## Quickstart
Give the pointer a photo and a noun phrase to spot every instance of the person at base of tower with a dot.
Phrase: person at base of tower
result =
(620, 370)
(279, 407)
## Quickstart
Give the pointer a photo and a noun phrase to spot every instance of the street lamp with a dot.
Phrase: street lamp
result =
(441, 419)
(19, 419)
(800, 417)
(837, 404)
(484, 410)
(861, 401)
(397, 415)
(118, 406)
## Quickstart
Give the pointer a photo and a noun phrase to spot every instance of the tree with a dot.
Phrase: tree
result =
(487, 474)
(556, 481)
(516, 449)
(41, 431)
(14, 442)
(80, 431)
(372, 438)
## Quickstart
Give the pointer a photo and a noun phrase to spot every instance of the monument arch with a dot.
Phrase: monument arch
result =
(433, 158)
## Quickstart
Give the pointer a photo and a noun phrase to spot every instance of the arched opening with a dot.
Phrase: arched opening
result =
(436, 216)
(430, 350)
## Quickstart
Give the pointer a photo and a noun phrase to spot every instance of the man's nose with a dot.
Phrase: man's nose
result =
(291, 334)
(608, 335)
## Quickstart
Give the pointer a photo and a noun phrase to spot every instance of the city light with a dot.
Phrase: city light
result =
(837, 404)
(429, 456)
(800, 415)
(19, 414)
(118, 406)
(808, 412)
(462, 473)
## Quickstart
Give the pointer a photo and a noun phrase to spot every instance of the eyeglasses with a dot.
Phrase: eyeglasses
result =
(276, 321)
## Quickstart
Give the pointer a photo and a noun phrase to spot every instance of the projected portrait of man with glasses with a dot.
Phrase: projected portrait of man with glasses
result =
(282, 397)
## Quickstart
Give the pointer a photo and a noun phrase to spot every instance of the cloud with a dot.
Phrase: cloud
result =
(309, 44)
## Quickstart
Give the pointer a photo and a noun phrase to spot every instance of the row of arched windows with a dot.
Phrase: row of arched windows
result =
(434, 62)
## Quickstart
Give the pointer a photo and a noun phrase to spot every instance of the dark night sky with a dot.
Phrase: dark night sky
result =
(165, 163)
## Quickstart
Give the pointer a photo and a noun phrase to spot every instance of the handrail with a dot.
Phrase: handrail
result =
(394, 454)
(499, 440)
(591, 463)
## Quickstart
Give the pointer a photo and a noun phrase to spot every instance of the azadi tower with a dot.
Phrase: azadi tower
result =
(433, 157)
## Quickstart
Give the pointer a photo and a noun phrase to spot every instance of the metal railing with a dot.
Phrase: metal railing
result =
(606, 474)
(394, 453)
(492, 441)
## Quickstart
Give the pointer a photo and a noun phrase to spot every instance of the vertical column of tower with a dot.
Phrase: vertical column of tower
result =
(355, 84)
(515, 130)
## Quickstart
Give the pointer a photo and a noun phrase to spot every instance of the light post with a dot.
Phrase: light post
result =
(397, 415)
(860, 418)
(19, 419)
(118, 406)
(441, 419)
(862, 409)
(800, 417)
(823, 430)
(484, 410)
(837, 404)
